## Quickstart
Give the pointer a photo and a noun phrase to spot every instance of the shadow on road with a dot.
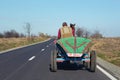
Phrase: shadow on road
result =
(70, 66)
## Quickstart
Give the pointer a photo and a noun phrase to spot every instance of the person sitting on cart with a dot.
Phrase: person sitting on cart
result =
(65, 31)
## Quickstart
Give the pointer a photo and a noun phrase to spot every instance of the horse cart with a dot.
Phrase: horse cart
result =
(73, 49)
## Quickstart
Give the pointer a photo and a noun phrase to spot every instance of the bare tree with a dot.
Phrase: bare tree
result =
(79, 32)
(96, 34)
(22, 35)
(87, 34)
(82, 32)
(28, 29)
(41, 34)
(12, 33)
(1, 35)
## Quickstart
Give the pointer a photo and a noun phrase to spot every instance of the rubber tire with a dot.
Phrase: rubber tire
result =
(92, 61)
(53, 66)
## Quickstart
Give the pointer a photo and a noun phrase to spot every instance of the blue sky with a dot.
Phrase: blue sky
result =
(47, 15)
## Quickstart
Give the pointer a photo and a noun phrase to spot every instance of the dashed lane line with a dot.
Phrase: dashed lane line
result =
(34, 56)
(42, 49)
(31, 58)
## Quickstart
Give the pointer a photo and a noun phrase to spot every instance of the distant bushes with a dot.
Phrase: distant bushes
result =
(11, 34)
(15, 34)
(1, 35)
(80, 32)
(96, 34)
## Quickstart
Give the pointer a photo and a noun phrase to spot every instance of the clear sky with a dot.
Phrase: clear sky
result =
(47, 15)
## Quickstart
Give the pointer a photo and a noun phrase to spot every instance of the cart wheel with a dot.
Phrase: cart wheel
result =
(92, 61)
(53, 66)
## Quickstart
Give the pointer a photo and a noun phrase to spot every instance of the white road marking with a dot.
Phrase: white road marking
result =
(106, 73)
(47, 46)
(31, 58)
(42, 49)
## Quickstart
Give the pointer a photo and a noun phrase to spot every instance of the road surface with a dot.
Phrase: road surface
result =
(32, 63)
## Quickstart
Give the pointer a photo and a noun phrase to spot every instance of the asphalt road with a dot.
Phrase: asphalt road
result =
(32, 63)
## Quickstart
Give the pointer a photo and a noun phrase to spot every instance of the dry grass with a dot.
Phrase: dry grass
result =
(7, 43)
(108, 49)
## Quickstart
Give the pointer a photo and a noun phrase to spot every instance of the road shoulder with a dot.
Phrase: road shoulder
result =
(111, 68)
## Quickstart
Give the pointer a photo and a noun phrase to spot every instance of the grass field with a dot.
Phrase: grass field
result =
(108, 49)
(8, 43)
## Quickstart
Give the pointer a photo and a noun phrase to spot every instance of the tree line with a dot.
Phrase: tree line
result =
(80, 32)
(14, 34)
(11, 33)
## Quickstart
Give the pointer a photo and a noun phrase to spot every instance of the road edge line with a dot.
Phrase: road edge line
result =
(106, 73)
(109, 67)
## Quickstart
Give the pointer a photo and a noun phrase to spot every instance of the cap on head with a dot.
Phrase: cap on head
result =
(64, 24)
